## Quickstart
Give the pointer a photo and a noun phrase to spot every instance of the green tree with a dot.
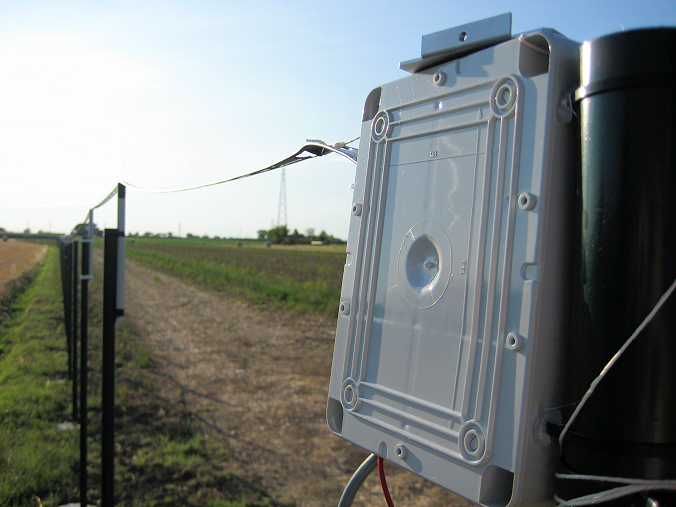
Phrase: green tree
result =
(296, 237)
(278, 235)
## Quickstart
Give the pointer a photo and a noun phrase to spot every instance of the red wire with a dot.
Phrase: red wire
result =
(383, 482)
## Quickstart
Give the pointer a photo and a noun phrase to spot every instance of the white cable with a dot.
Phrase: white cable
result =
(614, 359)
(86, 220)
(630, 487)
(618, 480)
(344, 144)
(108, 198)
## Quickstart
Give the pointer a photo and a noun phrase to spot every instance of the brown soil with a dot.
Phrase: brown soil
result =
(16, 257)
(257, 378)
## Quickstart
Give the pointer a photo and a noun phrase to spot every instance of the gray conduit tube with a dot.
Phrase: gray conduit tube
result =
(357, 480)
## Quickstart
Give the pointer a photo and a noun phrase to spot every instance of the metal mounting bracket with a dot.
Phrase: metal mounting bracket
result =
(452, 43)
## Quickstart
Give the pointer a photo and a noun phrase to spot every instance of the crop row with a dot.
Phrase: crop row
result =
(302, 280)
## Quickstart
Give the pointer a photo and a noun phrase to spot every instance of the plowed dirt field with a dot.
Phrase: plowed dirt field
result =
(16, 257)
(257, 378)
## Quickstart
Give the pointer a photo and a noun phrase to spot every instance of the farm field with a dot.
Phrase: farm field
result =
(300, 278)
(256, 378)
(17, 257)
(221, 392)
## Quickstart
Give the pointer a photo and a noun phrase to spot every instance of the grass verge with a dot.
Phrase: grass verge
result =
(299, 280)
(163, 456)
(10, 292)
(36, 460)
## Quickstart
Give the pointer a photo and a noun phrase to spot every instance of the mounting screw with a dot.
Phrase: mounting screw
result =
(439, 78)
(527, 201)
(513, 341)
(474, 443)
(401, 451)
(344, 308)
(356, 209)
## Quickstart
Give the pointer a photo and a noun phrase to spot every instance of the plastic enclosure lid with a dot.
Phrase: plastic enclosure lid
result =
(453, 306)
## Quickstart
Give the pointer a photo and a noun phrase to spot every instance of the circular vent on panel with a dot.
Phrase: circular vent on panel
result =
(424, 264)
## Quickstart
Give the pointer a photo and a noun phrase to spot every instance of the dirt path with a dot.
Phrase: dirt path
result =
(258, 379)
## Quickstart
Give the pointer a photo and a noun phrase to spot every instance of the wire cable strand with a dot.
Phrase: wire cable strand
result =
(630, 487)
(78, 230)
(614, 359)
(108, 198)
(313, 149)
(383, 482)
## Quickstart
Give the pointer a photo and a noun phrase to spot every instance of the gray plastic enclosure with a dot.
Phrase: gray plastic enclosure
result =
(454, 302)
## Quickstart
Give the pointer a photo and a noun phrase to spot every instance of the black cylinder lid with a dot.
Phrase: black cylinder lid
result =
(634, 59)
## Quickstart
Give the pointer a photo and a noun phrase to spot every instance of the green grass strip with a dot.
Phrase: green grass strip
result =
(300, 280)
(36, 460)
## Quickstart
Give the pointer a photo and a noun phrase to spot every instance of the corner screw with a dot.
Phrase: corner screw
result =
(439, 78)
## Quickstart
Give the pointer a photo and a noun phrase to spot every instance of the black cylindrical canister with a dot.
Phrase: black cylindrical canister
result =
(625, 261)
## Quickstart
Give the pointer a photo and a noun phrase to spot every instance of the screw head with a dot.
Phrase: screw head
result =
(401, 451)
(513, 341)
(526, 201)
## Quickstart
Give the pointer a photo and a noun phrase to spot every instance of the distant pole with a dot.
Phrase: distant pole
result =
(73, 281)
(66, 289)
(87, 268)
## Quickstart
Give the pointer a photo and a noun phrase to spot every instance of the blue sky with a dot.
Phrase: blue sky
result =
(180, 93)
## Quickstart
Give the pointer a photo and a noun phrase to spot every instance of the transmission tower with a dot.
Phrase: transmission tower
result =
(281, 211)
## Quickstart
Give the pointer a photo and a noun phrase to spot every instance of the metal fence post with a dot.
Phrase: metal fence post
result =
(64, 249)
(110, 316)
(74, 308)
(86, 276)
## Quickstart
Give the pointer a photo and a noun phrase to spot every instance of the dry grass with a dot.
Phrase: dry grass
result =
(17, 257)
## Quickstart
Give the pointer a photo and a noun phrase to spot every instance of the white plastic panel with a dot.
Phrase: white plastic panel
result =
(456, 271)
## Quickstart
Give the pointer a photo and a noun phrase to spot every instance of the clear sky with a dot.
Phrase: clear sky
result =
(180, 93)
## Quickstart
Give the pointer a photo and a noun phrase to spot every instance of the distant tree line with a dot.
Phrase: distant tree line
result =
(280, 235)
(277, 236)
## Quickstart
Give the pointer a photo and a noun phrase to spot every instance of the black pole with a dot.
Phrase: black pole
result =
(67, 300)
(110, 316)
(625, 263)
(84, 334)
(113, 309)
(74, 278)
